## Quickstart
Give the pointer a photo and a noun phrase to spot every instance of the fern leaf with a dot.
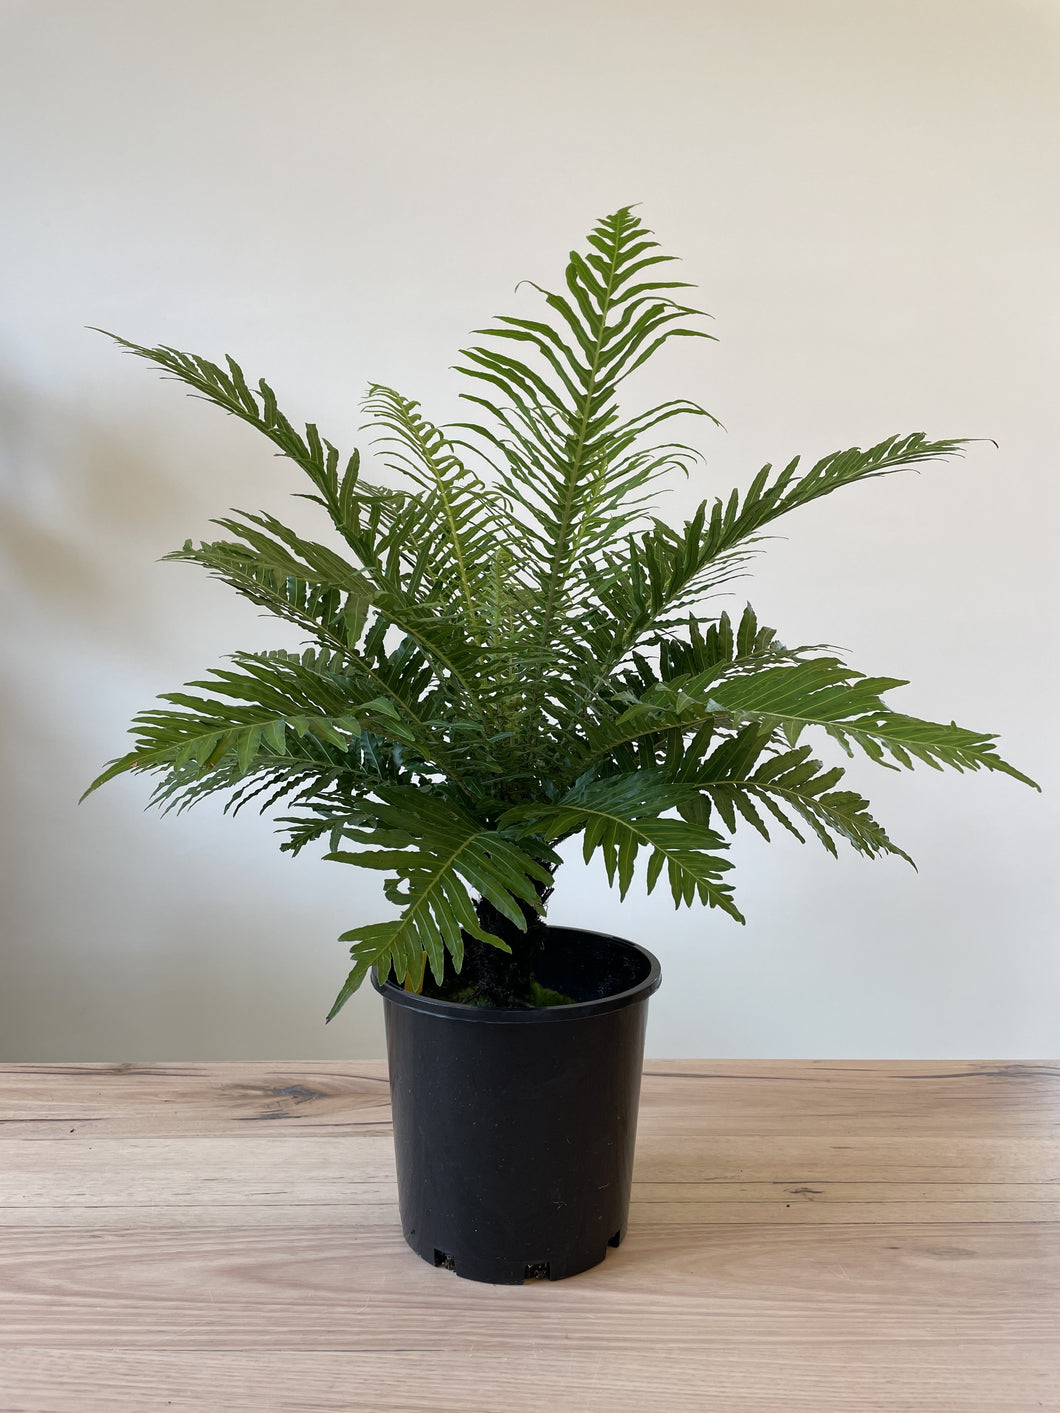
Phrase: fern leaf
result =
(564, 442)
(464, 521)
(440, 857)
(619, 817)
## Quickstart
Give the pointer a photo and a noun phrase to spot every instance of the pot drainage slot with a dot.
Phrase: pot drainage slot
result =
(444, 1259)
(537, 1271)
(616, 1240)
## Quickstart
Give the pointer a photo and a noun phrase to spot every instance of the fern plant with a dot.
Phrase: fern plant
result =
(511, 649)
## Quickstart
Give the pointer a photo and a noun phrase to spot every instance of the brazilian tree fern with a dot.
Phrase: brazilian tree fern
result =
(511, 649)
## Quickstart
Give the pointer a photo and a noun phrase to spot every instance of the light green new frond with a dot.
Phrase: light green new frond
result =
(462, 519)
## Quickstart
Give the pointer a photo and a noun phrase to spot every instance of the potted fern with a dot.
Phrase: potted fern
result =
(504, 651)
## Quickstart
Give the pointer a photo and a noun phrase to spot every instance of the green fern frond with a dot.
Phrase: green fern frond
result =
(823, 692)
(273, 708)
(438, 857)
(336, 480)
(749, 774)
(562, 445)
(461, 522)
(621, 816)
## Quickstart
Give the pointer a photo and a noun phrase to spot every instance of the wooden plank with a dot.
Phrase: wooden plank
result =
(907, 1376)
(156, 1100)
(680, 1286)
(792, 1096)
(345, 1182)
(909, 1098)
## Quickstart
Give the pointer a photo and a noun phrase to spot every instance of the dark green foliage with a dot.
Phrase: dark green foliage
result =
(502, 658)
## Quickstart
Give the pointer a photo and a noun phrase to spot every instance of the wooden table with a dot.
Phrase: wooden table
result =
(809, 1236)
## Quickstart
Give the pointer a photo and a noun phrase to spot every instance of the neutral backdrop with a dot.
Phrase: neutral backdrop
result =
(866, 194)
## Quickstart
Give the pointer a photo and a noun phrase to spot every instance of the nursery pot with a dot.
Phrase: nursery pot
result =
(514, 1129)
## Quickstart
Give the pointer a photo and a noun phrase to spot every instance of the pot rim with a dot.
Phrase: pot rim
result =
(494, 1015)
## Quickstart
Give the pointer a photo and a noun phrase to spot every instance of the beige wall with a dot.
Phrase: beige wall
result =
(867, 195)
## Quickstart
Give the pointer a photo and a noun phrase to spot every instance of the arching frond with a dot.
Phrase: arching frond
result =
(621, 816)
(257, 714)
(438, 857)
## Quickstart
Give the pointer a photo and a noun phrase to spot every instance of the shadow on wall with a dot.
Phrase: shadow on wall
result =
(132, 936)
(72, 492)
(126, 935)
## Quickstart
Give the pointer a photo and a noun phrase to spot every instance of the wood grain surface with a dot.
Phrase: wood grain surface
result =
(813, 1236)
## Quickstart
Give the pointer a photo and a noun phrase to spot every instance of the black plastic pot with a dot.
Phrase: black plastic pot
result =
(514, 1129)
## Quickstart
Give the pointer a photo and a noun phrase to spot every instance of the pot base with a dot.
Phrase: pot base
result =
(495, 1272)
